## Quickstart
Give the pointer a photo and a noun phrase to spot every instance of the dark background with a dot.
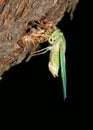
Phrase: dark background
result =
(28, 91)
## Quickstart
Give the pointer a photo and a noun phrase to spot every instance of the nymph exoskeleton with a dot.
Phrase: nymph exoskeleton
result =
(34, 35)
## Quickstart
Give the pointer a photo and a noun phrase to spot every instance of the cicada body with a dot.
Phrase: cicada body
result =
(57, 56)
(57, 50)
(41, 32)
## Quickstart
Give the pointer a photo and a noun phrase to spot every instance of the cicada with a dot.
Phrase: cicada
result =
(57, 56)
(57, 47)
(40, 32)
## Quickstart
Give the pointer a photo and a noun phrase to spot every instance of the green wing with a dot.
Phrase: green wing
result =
(63, 64)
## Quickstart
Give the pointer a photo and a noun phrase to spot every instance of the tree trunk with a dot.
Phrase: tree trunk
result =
(16, 21)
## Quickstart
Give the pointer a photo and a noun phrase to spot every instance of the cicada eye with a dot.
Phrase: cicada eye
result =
(50, 40)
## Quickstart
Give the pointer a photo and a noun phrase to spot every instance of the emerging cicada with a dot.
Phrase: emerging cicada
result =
(57, 49)
(41, 32)
(57, 56)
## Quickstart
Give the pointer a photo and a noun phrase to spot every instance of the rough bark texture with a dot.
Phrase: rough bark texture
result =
(15, 18)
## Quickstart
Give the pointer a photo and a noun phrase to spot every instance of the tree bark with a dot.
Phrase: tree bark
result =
(15, 19)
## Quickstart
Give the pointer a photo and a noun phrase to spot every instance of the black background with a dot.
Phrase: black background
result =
(28, 91)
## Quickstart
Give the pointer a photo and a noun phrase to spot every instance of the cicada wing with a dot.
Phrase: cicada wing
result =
(63, 73)
(63, 67)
